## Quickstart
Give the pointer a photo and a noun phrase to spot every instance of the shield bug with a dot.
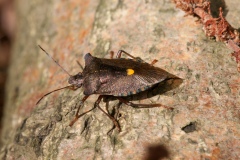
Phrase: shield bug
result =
(112, 78)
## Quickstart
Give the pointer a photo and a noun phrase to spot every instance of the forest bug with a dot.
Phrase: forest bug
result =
(114, 78)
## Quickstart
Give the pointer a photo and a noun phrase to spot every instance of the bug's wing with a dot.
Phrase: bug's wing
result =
(134, 77)
(149, 75)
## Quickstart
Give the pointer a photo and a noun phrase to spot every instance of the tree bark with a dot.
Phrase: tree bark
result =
(205, 119)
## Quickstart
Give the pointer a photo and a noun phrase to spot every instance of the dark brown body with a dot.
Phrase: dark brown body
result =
(111, 77)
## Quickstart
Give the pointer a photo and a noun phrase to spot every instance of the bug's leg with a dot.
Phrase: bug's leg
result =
(119, 54)
(111, 54)
(109, 116)
(78, 116)
(81, 104)
(118, 107)
(113, 127)
(115, 117)
(142, 105)
(153, 62)
(107, 106)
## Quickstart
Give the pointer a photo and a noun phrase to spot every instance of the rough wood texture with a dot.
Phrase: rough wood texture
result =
(204, 123)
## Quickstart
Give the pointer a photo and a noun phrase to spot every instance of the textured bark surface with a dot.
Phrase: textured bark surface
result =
(204, 123)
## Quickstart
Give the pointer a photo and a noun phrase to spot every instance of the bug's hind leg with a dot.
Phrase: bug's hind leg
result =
(142, 105)
(115, 122)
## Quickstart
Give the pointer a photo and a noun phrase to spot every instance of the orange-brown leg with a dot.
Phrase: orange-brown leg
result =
(116, 113)
(111, 54)
(115, 122)
(153, 62)
(119, 54)
(78, 116)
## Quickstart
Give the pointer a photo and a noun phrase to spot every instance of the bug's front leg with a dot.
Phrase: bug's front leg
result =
(78, 116)
(115, 122)
(115, 115)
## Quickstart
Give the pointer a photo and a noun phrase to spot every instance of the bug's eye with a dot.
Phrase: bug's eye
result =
(71, 79)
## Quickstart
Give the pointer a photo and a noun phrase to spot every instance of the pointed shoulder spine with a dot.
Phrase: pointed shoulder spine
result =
(88, 58)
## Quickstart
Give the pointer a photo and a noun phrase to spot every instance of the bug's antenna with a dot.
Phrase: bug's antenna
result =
(52, 92)
(54, 60)
(80, 65)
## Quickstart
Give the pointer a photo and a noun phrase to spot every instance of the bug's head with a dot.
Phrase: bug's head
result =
(76, 80)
